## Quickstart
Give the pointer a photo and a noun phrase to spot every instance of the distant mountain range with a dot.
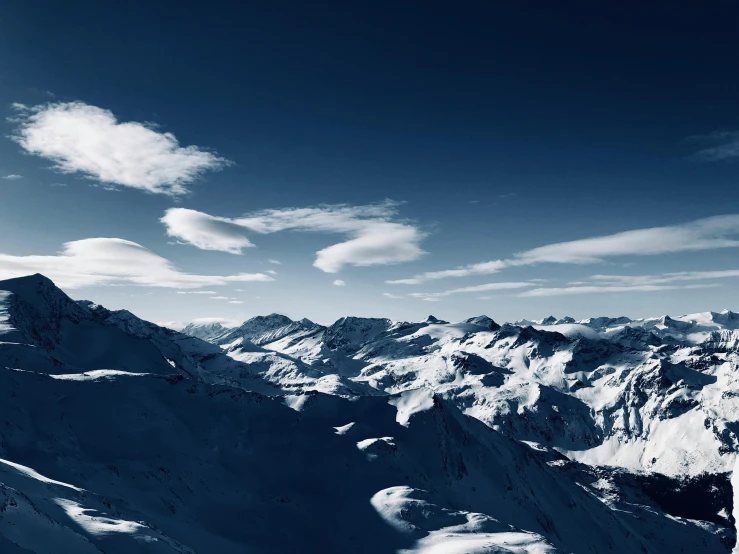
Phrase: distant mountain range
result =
(368, 435)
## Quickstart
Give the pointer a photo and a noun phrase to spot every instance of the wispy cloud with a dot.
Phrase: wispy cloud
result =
(662, 278)
(85, 139)
(476, 288)
(607, 289)
(597, 284)
(702, 234)
(218, 297)
(376, 238)
(223, 321)
(235, 302)
(391, 295)
(275, 262)
(112, 261)
(196, 292)
(484, 268)
(721, 145)
(13, 177)
(339, 283)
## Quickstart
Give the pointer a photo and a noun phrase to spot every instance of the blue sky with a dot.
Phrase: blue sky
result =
(370, 143)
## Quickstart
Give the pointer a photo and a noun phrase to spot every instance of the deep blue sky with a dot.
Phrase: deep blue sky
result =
(502, 126)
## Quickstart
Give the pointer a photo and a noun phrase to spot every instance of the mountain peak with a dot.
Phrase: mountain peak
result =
(432, 319)
(40, 295)
(727, 318)
(26, 282)
(273, 318)
(483, 321)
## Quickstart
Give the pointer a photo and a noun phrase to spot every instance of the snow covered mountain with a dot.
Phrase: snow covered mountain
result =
(368, 435)
(605, 391)
(210, 331)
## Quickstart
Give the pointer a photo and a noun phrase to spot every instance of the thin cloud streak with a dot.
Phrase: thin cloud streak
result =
(196, 292)
(702, 234)
(476, 288)
(662, 278)
(607, 289)
(391, 295)
(724, 146)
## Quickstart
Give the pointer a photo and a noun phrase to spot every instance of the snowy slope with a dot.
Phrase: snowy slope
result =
(117, 435)
(211, 331)
(608, 391)
(42, 329)
(190, 463)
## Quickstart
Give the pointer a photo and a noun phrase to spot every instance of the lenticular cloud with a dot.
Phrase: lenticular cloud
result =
(374, 237)
(113, 261)
(88, 140)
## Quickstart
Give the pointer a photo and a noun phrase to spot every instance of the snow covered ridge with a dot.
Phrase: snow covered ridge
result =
(657, 394)
(368, 435)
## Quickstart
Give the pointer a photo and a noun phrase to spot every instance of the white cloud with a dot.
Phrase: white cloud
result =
(223, 321)
(235, 302)
(391, 295)
(377, 244)
(484, 268)
(702, 234)
(662, 278)
(196, 292)
(607, 289)
(339, 283)
(375, 239)
(85, 139)
(597, 284)
(218, 297)
(112, 261)
(205, 231)
(271, 272)
(13, 177)
(476, 288)
(275, 262)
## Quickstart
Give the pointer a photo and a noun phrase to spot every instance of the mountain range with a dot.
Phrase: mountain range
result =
(367, 435)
